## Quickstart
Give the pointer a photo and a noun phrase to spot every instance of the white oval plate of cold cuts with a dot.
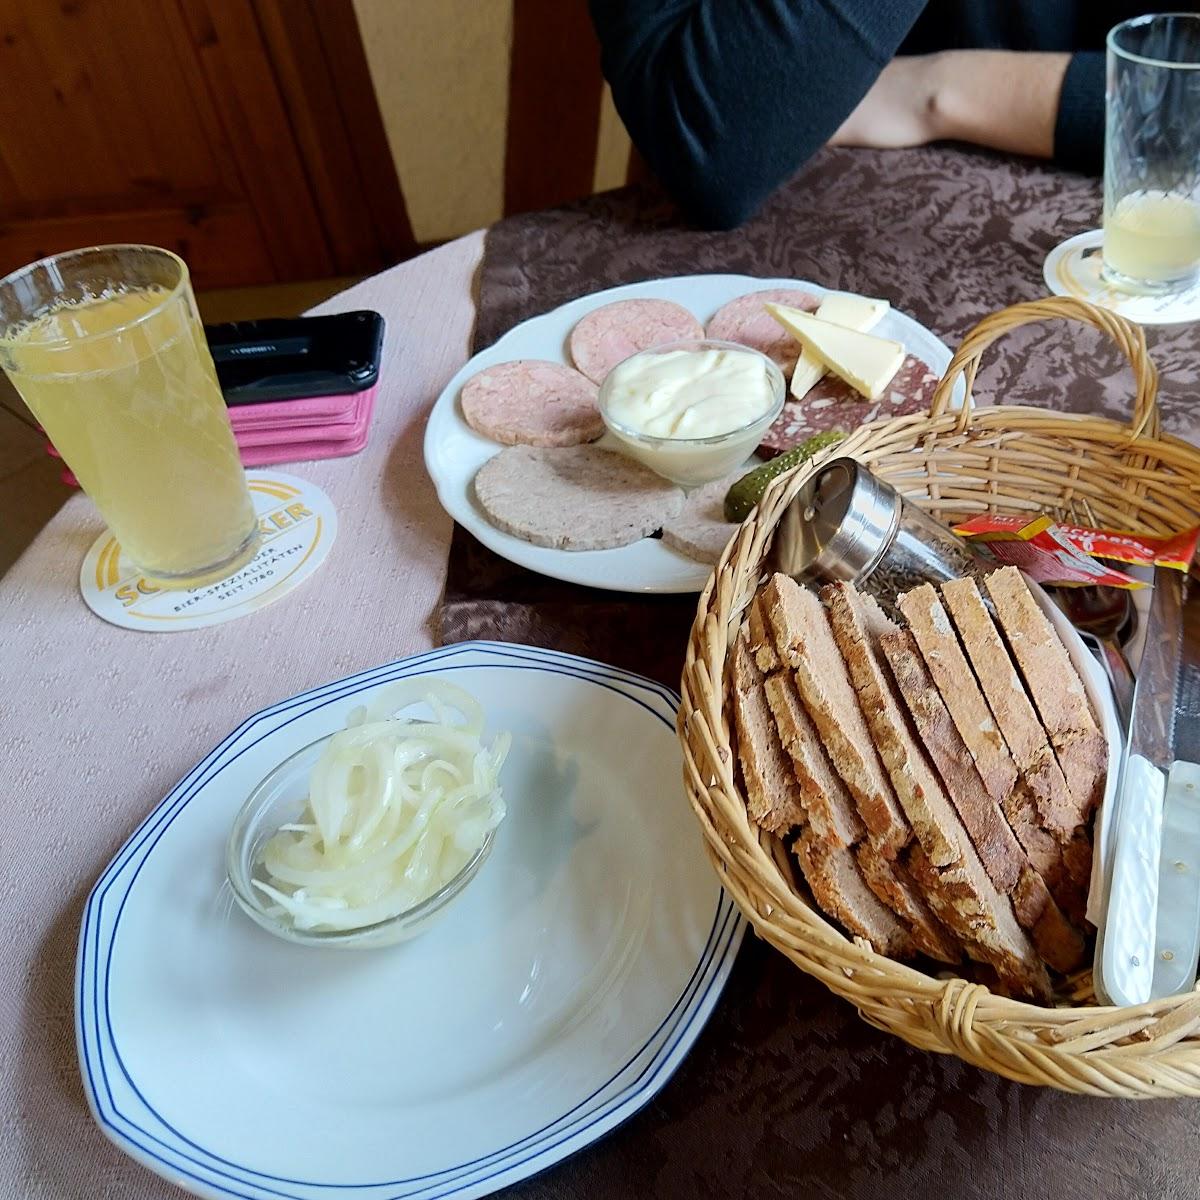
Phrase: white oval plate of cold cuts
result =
(454, 452)
(553, 999)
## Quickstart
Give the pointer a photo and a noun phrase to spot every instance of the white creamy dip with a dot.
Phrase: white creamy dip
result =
(692, 413)
(689, 393)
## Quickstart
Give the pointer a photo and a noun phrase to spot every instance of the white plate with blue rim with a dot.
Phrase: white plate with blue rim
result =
(454, 452)
(555, 997)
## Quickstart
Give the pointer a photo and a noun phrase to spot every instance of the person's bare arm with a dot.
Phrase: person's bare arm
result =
(1004, 99)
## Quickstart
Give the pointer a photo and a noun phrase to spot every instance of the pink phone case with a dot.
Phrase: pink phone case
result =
(303, 422)
(316, 410)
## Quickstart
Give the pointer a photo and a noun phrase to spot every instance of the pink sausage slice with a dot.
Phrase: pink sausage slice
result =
(834, 404)
(533, 403)
(748, 323)
(610, 334)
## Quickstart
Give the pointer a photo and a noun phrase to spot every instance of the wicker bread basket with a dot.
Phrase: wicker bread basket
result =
(955, 463)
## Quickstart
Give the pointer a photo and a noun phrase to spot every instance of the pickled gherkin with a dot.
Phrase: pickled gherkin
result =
(748, 491)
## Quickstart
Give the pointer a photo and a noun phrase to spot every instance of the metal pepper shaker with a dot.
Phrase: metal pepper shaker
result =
(847, 524)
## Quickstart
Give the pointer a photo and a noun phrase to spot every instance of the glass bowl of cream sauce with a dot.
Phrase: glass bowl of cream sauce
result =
(692, 411)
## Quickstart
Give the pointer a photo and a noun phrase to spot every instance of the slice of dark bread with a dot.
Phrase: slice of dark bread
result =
(993, 837)
(951, 673)
(856, 627)
(759, 632)
(1015, 715)
(948, 868)
(890, 881)
(803, 640)
(828, 806)
(1003, 856)
(1059, 943)
(1055, 687)
(780, 797)
(1046, 853)
(838, 887)
(773, 797)
(955, 895)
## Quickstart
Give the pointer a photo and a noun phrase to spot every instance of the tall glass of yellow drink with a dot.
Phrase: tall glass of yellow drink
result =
(106, 347)
(1152, 154)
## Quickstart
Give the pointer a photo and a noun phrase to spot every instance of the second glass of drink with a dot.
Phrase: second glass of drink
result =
(1152, 154)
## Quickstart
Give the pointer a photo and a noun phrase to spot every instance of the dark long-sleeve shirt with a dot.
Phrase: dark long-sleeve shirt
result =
(727, 98)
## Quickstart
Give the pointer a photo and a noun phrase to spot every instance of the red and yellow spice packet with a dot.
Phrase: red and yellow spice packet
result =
(1068, 555)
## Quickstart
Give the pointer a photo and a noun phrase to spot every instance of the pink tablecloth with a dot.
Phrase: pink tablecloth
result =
(97, 723)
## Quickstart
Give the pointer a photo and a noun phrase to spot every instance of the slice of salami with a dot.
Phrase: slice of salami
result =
(834, 404)
(531, 402)
(610, 334)
(748, 323)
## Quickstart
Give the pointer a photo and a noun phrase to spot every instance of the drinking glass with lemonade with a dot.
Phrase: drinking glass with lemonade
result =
(1152, 155)
(106, 347)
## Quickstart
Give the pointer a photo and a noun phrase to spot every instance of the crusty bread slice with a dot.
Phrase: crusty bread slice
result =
(839, 889)
(760, 636)
(828, 806)
(958, 895)
(776, 801)
(993, 836)
(952, 673)
(1002, 854)
(1077, 861)
(917, 788)
(803, 640)
(890, 881)
(1055, 687)
(1011, 706)
(1058, 941)
(773, 797)
(1045, 852)
(955, 883)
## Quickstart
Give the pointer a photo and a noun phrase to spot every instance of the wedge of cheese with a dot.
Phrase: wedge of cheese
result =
(867, 363)
(839, 308)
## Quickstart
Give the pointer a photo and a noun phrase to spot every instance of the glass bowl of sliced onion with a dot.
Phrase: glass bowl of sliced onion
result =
(364, 837)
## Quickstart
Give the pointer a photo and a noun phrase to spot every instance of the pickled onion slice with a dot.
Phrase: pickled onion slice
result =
(397, 806)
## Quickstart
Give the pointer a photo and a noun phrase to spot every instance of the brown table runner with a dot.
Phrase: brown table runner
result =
(788, 1092)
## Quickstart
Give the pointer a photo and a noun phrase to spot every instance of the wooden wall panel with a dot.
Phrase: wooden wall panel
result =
(554, 105)
(249, 130)
(232, 56)
(92, 108)
(219, 126)
(220, 243)
(343, 47)
(313, 46)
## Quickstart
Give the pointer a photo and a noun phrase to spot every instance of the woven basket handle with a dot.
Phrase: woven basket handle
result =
(1128, 336)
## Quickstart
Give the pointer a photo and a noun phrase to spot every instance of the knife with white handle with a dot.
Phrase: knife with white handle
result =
(1177, 933)
(1151, 936)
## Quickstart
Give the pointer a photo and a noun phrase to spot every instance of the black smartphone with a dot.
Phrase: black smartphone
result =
(290, 358)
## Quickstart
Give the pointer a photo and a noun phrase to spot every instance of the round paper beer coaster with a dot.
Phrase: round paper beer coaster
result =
(1073, 269)
(298, 524)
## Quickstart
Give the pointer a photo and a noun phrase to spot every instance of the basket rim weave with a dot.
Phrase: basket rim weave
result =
(954, 460)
